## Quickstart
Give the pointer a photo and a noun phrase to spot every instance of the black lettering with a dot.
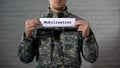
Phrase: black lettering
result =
(60, 22)
(45, 22)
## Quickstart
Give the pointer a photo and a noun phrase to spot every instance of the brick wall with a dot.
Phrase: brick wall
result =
(103, 15)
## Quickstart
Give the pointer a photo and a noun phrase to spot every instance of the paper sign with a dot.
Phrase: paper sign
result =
(57, 22)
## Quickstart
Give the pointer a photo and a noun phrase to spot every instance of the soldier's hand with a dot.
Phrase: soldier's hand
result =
(30, 26)
(84, 27)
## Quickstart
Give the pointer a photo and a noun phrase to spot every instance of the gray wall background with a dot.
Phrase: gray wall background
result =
(103, 15)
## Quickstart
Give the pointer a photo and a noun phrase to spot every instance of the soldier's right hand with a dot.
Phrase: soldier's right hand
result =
(30, 26)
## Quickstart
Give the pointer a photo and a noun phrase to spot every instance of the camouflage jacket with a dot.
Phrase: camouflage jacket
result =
(58, 47)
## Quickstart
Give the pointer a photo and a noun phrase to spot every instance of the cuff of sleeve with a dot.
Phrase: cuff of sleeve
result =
(24, 38)
(89, 37)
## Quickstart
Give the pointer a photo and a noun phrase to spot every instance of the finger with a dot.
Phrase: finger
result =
(80, 28)
(30, 25)
(78, 23)
(32, 21)
(32, 28)
(37, 22)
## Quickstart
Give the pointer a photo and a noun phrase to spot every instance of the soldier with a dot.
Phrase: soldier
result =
(61, 48)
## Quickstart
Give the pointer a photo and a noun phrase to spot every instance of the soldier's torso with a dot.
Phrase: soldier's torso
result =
(58, 47)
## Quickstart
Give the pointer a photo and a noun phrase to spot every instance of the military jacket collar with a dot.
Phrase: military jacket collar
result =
(62, 14)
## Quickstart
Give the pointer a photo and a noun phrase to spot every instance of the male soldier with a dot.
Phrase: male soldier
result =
(58, 47)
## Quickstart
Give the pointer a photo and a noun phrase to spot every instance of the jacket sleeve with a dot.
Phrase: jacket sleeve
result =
(90, 48)
(26, 49)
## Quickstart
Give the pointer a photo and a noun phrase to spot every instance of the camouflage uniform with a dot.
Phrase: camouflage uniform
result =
(58, 47)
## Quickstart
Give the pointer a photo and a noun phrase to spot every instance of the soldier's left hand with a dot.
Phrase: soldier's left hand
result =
(83, 26)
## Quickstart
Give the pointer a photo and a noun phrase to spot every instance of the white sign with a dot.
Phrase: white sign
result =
(57, 22)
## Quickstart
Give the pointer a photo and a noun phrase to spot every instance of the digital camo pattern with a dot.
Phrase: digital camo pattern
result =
(58, 49)
(66, 50)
